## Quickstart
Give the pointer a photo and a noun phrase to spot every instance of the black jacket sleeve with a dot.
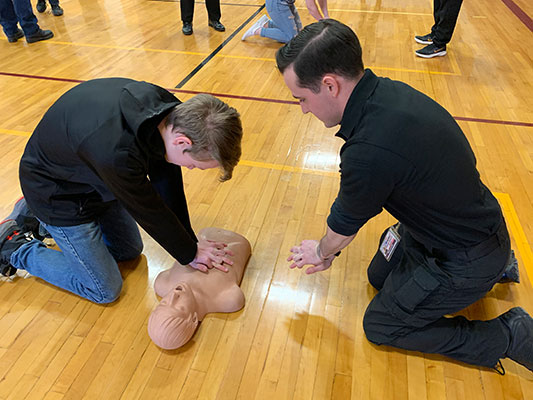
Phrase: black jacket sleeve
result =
(125, 175)
(168, 181)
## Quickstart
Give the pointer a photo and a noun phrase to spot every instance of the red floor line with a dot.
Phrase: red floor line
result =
(520, 14)
(263, 99)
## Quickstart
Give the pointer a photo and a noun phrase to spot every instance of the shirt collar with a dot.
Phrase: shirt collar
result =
(355, 105)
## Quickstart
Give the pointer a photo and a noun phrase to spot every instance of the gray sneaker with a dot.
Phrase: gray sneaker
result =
(520, 326)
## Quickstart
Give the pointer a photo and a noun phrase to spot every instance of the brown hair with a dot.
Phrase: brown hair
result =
(326, 46)
(214, 128)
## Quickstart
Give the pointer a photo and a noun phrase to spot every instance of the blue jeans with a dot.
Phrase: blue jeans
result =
(14, 11)
(87, 262)
(284, 21)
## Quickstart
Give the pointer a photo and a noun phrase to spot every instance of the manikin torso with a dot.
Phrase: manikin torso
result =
(188, 294)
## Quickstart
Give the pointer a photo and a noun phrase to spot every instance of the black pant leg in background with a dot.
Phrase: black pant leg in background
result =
(445, 13)
(187, 10)
(213, 9)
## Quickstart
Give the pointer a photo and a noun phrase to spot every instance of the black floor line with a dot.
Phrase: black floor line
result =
(210, 56)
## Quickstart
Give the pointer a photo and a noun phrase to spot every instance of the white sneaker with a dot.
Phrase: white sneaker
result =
(258, 24)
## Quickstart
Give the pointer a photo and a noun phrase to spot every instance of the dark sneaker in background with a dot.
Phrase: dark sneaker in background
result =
(426, 39)
(431, 50)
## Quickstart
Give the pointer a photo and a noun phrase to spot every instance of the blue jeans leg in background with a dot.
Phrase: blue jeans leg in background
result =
(87, 262)
(285, 22)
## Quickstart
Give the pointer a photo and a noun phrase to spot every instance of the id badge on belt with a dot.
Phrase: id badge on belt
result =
(390, 242)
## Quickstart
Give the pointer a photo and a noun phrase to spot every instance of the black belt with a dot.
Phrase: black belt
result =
(479, 250)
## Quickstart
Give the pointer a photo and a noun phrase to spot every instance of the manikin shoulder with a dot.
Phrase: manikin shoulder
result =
(228, 300)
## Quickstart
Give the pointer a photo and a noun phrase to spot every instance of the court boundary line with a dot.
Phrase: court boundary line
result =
(517, 232)
(260, 99)
(519, 13)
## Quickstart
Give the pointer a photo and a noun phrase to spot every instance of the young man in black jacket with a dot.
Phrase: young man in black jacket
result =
(451, 245)
(106, 156)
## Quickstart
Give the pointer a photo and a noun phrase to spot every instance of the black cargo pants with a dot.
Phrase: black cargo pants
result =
(419, 286)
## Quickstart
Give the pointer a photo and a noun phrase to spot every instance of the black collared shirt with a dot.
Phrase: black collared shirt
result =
(406, 154)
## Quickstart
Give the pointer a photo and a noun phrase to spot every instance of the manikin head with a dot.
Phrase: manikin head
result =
(321, 65)
(175, 319)
(203, 132)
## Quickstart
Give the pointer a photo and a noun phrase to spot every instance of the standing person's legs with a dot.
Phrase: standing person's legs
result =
(56, 8)
(86, 264)
(408, 311)
(445, 21)
(437, 15)
(8, 18)
(23, 12)
(187, 10)
(213, 10)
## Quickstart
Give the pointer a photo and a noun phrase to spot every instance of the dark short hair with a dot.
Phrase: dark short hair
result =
(326, 46)
(214, 128)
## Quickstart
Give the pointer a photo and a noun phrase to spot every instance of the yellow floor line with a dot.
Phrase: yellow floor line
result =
(287, 168)
(238, 57)
(412, 70)
(513, 224)
(16, 133)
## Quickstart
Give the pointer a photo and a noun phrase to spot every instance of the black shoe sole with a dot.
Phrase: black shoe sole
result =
(39, 38)
(223, 29)
(15, 38)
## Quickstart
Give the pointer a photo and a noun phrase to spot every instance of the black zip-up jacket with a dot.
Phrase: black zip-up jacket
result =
(99, 142)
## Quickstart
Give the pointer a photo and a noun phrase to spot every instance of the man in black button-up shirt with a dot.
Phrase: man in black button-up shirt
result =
(406, 154)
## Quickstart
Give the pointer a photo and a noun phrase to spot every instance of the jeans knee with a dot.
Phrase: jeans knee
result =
(131, 252)
(107, 295)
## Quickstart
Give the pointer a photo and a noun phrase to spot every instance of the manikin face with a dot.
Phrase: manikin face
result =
(181, 300)
(176, 146)
(174, 321)
(320, 104)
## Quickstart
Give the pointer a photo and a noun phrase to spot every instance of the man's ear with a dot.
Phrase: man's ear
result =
(331, 84)
(181, 139)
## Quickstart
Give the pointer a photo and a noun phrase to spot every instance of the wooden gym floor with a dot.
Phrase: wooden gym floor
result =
(298, 337)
